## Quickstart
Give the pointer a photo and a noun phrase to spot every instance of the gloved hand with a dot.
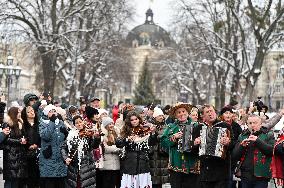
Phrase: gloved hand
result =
(53, 118)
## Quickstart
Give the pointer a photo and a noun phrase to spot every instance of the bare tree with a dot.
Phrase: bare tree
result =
(68, 28)
(237, 35)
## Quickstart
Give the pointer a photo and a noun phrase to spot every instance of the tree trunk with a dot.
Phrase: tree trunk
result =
(48, 67)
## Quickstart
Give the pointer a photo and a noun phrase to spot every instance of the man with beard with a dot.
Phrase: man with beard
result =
(215, 171)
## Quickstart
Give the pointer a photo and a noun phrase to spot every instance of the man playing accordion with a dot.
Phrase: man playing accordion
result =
(183, 165)
(214, 153)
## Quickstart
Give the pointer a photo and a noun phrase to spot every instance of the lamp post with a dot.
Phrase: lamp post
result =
(9, 70)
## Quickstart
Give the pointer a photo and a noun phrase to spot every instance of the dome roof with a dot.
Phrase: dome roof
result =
(149, 34)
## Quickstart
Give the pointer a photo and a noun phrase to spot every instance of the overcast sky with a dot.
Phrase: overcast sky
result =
(161, 9)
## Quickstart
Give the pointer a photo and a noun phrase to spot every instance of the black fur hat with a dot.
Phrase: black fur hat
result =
(90, 112)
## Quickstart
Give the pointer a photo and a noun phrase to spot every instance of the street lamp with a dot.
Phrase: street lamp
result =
(9, 70)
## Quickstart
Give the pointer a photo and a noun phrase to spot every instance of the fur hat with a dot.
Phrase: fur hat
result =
(90, 112)
(225, 109)
(106, 121)
(178, 105)
(48, 108)
(157, 112)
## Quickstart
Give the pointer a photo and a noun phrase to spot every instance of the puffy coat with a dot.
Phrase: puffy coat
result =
(136, 160)
(50, 135)
(159, 160)
(82, 164)
(14, 157)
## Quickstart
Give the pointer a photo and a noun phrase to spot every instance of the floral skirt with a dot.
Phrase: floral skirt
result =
(136, 181)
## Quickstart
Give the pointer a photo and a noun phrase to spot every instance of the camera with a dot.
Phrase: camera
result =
(258, 104)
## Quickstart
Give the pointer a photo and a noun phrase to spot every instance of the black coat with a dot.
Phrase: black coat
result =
(14, 156)
(159, 160)
(215, 168)
(87, 172)
(33, 137)
(136, 160)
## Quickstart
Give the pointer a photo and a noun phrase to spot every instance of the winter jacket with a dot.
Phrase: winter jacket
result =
(159, 160)
(32, 136)
(50, 135)
(136, 160)
(14, 156)
(2, 137)
(82, 164)
(111, 158)
(256, 157)
(179, 162)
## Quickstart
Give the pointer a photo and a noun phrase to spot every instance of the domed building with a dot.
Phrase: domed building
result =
(149, 34)
(147, 43)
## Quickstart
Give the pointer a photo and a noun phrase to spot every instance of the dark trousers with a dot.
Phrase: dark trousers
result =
(14, 183)
(156, 186)
(99, 178)
(110, 178)
(182, 180)
(254, 184)
(52, 183)
(214, 184)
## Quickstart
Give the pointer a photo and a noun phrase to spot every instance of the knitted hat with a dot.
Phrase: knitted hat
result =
(106, 121)
(157, 112)
(225, 109)
(48, 108)
(139, 110)
(90, 112)
(29, 97)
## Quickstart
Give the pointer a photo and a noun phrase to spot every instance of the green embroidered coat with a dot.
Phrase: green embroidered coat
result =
(262, 152)
(179, 162)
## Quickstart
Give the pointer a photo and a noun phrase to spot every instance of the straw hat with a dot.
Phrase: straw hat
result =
(178, 105)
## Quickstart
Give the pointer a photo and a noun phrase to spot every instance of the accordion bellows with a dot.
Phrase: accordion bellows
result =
(211, 142)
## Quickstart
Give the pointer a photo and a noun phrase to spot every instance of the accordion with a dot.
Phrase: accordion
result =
(185, 143)
(211, 141)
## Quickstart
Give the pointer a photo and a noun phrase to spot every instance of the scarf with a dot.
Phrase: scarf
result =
(276, 164)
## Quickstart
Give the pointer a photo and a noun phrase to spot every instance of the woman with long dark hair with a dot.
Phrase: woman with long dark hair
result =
(77, 153)
(30, 125)
(135, 167)
(14, 151)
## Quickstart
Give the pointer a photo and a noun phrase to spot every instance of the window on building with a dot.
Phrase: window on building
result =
(278, 106)
(277, 88)
(279, 75)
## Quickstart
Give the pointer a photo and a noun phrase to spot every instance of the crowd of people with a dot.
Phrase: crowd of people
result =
(51, 145)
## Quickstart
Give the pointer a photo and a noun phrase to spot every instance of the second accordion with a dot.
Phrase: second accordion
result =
(211, 141)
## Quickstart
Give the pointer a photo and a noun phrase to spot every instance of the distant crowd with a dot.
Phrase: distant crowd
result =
(51, 145)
